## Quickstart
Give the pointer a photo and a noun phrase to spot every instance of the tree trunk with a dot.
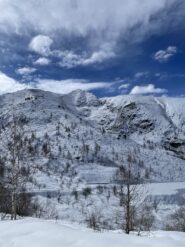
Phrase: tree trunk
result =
(13, 206)
(127, 229)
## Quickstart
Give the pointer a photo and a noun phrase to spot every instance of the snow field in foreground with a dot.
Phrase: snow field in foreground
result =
(42, 233)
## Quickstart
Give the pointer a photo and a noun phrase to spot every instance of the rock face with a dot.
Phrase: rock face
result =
(94, 136)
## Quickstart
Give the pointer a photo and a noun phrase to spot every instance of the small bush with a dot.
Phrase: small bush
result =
(86, 192)
(176, 221)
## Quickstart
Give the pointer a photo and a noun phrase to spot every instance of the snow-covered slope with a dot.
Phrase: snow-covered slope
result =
(97, 134)
(87, 139)
(40, 233)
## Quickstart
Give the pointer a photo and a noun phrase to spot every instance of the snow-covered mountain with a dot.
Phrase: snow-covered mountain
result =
(97, 134)
(81, 140)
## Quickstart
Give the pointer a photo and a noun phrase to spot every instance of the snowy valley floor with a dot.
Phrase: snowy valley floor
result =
(42, 233)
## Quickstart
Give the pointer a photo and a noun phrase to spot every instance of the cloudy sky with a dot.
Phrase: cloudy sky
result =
(109, 47)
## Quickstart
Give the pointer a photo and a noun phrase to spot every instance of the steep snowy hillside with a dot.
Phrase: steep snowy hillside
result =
(97, 134)
(79, 140)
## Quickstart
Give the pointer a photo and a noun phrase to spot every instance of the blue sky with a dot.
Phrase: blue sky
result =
(109, 47)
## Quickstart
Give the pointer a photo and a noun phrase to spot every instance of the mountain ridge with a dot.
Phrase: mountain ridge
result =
(153, 125)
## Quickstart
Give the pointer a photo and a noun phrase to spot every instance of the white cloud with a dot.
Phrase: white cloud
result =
(157, 74)
(139, 75)
(163, 56)
(70, 59)
(25, 71)
(124, 86)
(77, 16)
(9, 85)
(69, 85)
(41, 44)
(148, 89)
(98, 57)
(104, 21)
(42, 61)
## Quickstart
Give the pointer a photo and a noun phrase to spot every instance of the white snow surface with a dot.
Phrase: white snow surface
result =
(165, 188)
(42, 233)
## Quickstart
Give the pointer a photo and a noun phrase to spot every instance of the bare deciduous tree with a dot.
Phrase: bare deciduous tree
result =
(14, 145)
(144, 217)
(176, 221)
(94, 219)
(131, 192)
